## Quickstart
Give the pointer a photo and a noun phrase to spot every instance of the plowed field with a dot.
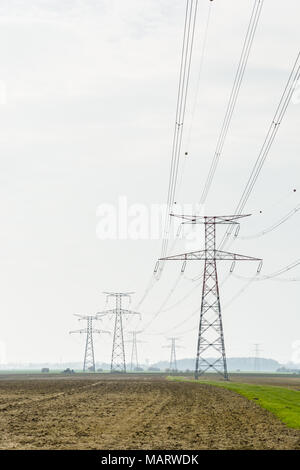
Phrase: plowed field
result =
(133, 414)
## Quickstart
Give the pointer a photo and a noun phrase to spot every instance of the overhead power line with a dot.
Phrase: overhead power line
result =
(183, 298)
(182, 94)
(234, 95)
(274, 126)
(184, 76)
(146, 291)
(195, 103)
(185, 320)
(160, 310)
(282, 270)
(203, 49)
(281, 221)
(269, 139)
(279, 114)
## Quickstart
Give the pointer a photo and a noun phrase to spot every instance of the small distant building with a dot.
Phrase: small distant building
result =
(45, 370)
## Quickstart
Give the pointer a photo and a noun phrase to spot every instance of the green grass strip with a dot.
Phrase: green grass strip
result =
(282, 402)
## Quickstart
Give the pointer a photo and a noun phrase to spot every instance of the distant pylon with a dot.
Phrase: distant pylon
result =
(173, 360)
(134, 362)
(211, 336)
(118, 361)
(89, 356)
(257, 352)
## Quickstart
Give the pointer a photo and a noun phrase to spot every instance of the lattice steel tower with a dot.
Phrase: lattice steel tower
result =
(134, 362)
(173, 360)
(118, 361)
(257, 352)
(211, 336)
(89, 356)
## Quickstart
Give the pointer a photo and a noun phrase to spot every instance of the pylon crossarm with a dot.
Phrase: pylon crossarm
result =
(115, 311)
(193, 255)
(84, 330)
(225, 255)
(210, 255)
(95, 330)
(112, 311)
(129, 312)
(215, 219)
(85, 317)
(118, 294)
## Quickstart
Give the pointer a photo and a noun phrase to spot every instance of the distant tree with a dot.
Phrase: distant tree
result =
(68, 371)
(285, 370)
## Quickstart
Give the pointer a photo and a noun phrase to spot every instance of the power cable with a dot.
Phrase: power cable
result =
(184, 76)
(269, 139)
(282, 270)
(281, 221)
(202, 55)
(182, 93)
(255, 15)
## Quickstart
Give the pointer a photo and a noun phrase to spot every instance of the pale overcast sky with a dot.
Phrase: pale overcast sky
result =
(88, 95)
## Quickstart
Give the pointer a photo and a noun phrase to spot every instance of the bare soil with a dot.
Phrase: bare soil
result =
(133, 413)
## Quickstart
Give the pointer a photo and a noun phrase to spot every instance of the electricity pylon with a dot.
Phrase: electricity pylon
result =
(257, 352)
(118, 362)
(173, 360)
(89, 357)
(134, 363)
(211, 336)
